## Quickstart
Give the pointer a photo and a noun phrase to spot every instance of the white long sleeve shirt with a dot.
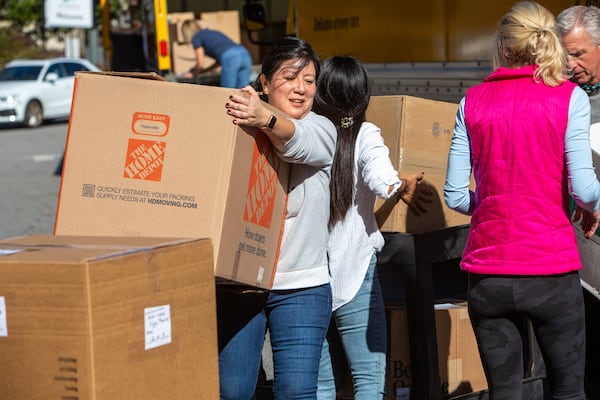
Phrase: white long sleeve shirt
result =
(354, 240)
(303, 256)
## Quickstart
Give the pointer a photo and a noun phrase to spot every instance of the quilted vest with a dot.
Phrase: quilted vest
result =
(520, 224)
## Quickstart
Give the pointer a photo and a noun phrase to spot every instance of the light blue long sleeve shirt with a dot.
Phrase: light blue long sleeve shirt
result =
(583, 184)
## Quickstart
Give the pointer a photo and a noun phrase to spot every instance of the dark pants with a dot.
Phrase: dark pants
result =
(554, 305)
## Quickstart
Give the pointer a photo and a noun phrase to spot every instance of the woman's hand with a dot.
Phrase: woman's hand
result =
(247, 109)
(416, 195)
(589, 221)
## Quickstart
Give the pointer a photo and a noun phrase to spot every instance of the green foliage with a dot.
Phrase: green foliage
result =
(14, 44)
(23, 33)
(24, 12)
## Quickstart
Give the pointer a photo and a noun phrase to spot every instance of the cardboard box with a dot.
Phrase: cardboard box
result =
(107, 319)
(162, 159)
(459, 363)
(418, 133)
(175, 20)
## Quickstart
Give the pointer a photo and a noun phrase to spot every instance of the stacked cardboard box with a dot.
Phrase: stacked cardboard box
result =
(107, 319)
(418, 133)
(460, 367)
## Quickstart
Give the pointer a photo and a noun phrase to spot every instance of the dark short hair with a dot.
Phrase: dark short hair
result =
(288, 48)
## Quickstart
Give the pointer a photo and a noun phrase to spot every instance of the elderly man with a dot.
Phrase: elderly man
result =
(579, 28)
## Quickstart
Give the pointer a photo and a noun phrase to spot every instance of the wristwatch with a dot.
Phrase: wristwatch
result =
(270, 123)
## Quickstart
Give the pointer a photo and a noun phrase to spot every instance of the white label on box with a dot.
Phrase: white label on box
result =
(7, 252)
(261, 273)
(157, 321)
(3, 327)
(403, 393)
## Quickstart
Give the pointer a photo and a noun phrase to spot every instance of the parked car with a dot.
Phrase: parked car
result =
(32, 91)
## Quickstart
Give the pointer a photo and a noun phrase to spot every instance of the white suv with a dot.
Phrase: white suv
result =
(32, 91)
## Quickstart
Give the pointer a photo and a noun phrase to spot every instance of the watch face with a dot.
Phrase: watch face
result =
(272, 122)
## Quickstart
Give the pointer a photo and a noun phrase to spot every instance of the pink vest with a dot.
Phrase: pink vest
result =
(520, 224)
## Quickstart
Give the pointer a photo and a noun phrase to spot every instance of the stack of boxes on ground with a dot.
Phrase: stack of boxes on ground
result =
(145, 158)
(110, 309)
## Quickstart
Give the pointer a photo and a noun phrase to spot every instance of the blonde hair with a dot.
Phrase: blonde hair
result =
(527, 35)
(188, 28)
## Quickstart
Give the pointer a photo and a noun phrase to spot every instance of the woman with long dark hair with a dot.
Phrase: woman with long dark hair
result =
(362, 171)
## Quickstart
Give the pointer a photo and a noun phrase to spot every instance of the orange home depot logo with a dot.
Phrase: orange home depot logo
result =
(144, 159)
(262, 184)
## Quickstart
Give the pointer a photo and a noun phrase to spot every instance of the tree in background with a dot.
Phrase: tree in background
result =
(22, 30)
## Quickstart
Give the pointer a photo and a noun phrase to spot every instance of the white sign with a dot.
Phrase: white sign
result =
(69, 13)
(158, 326)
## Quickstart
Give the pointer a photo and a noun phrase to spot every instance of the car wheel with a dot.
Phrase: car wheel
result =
(33, 115)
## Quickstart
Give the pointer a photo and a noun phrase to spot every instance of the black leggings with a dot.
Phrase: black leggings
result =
(554, 305)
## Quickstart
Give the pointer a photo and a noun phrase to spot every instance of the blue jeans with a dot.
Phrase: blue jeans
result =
(297, 321)
(236, 67)
(358, 331)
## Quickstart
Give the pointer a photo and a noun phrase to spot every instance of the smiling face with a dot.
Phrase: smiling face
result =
(584, 56)
(292, 88)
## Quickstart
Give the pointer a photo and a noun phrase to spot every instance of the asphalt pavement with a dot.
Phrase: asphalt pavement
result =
(28, 186)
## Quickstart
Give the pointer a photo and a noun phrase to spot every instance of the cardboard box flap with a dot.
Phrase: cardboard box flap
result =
(140, 75)
(63, 249)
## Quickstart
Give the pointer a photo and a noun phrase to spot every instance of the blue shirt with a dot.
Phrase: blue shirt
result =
(215, 43)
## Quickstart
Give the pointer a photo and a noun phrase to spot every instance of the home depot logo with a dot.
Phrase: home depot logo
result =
(262, 184)
(145, 158)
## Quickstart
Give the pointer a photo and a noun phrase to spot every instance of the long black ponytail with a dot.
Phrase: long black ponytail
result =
(343, 93)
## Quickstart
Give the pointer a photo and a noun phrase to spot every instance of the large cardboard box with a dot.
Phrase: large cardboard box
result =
(459, 363)
(107, 319)
(418, 133)
(162, 159)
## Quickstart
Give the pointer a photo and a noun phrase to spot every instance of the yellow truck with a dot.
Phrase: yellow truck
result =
(428, 48)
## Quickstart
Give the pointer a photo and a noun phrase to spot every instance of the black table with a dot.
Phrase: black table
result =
(412, 256)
